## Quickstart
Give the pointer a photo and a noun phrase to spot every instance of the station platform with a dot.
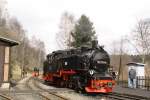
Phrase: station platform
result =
(131, 91)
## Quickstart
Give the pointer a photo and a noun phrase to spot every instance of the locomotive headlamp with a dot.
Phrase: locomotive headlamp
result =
(66, 63)
(91, 72)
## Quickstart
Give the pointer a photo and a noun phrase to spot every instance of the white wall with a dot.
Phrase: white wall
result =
(139, 70)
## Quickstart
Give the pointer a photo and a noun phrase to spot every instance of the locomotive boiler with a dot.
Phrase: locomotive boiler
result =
(82, 69)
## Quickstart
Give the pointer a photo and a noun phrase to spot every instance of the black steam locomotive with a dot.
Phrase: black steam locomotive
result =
(84, 68)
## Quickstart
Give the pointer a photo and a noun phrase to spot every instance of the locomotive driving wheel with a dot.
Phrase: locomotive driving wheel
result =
(62, 83)
(70, 85)
(78, 87)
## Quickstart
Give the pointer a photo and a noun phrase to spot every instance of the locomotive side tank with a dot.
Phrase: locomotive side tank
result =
(83, 69)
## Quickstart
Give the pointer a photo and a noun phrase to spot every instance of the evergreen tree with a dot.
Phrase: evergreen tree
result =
(83, 33)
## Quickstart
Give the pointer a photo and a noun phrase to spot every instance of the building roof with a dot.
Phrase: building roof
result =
(135, 64)
(9, 41)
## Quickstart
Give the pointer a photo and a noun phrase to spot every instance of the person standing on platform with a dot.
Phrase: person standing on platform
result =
(132, 78)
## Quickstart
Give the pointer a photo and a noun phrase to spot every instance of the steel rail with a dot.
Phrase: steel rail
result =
(47, 91)
(52, 93)
(44, 96)
(120, 96)
(117, 96)
(40, 94)
(5, 97)
(135, 96)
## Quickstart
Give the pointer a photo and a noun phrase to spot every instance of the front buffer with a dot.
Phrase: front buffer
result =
(100, 86)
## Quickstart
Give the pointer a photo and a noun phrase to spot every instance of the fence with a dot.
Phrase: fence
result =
(142, 82)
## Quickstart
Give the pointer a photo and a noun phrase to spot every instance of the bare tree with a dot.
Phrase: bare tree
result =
(38, 51)
(63, 37)
(25, 56)
(3, 13)
(120, 57)
(142, 37)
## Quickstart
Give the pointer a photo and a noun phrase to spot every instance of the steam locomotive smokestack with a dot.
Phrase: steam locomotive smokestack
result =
(94, 44)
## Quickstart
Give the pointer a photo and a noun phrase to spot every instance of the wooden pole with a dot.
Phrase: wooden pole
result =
(120, 60)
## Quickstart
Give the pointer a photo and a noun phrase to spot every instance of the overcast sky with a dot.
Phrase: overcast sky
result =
(112, 18)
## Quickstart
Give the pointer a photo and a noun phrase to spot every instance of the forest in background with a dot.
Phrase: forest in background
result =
(29, 53)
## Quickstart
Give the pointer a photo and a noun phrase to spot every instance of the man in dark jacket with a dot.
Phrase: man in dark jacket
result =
(132, 77)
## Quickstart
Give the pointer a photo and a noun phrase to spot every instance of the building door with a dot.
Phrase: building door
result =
(2, 54)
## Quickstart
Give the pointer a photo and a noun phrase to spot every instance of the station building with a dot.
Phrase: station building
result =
(5, 51)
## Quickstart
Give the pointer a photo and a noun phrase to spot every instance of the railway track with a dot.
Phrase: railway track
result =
(48, 95)
(34, 86)
(118, 96)
(29, 90)
(5, 97)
